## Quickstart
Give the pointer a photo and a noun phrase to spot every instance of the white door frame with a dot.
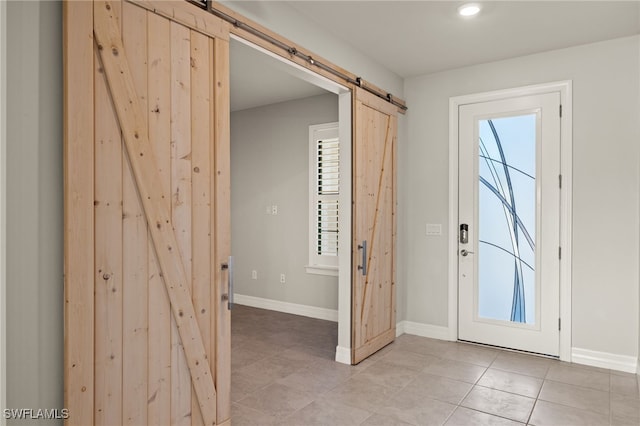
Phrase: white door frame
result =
(343, 350)
(565, 90)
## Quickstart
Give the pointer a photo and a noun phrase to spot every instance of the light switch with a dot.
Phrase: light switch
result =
(434, 229)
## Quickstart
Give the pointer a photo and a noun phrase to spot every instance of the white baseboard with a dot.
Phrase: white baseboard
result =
(343, 355)
(422, 330)
(628, 364)
(286, 307)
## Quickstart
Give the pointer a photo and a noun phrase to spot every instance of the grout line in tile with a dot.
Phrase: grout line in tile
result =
(535, 402)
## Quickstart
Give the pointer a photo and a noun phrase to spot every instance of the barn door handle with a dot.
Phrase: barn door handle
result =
(228, 297)
(363, 267)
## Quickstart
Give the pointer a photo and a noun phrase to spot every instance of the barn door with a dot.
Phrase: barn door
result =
(374, 225)
(147, 328)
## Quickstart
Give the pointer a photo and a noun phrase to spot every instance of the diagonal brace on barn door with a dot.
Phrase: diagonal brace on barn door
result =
(143, 164)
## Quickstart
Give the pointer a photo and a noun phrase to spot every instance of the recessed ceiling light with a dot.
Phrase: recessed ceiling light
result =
(469, 9)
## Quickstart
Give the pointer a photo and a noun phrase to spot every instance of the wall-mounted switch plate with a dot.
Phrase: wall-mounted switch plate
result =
(282, 278)
(274, 210)
(434, 229)
(254, 275)
(268, 210)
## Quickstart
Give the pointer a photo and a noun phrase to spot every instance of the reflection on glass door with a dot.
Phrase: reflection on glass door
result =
(507, 218)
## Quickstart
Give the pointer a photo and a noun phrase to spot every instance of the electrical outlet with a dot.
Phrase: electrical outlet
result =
(282, 278)
(274, 210)
(254, 275)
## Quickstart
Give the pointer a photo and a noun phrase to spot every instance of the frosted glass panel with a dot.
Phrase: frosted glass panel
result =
(507, 219)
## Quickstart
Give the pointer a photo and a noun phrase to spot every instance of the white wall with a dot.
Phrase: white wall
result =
(605, 181)
(34, 205)
(269, 166)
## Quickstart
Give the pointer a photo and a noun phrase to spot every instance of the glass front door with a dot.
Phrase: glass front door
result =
(509, 210)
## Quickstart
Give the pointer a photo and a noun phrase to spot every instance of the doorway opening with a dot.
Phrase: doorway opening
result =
(273, 105)
(509, 269)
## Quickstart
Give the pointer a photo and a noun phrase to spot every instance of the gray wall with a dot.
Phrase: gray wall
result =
(34, 205)
(606, 192)
(269, 166)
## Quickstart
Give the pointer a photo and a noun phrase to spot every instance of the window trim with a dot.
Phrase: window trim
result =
(318, 264)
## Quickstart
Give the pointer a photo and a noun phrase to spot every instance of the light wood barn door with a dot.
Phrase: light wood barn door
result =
(147, 226)
(374, 225)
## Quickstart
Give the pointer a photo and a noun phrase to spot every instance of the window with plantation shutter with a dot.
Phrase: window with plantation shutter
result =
(324, 189)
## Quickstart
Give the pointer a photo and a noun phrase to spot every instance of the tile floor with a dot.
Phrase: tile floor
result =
(283, 373)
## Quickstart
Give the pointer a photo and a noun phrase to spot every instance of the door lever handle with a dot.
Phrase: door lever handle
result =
(465, 253)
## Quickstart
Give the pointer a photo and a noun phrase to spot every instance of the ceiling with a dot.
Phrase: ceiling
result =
(414, 38)
(421, 37)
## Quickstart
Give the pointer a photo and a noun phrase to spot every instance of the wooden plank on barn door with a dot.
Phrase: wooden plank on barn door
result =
(221, 213)
(159, 116)
(108, 250)
(135, 243)
(181, 206)
(201, 195)
(374, 183)
(78, 212)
